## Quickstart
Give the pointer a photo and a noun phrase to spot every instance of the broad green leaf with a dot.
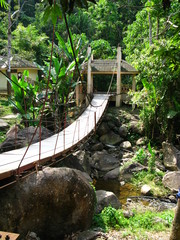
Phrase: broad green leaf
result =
(171, 114)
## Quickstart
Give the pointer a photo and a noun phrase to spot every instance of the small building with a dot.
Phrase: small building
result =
(117, 67)
(18, 65)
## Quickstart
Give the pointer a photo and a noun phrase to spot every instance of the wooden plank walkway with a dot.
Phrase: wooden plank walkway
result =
(8, 235)
(57, 144)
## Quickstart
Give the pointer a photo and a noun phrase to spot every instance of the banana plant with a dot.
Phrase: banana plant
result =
(24, 98)
(63, 74)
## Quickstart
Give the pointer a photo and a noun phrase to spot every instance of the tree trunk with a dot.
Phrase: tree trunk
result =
(150, 28)
(157, 30)
(175, 232)
(9, 49)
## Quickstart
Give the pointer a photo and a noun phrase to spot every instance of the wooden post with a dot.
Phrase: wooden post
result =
(175, 231)
(118, 90)
(133, 88)
(89, 75)
(9, 49)
(77, 94)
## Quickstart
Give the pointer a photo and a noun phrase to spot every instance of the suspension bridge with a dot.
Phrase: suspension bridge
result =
(16, 162)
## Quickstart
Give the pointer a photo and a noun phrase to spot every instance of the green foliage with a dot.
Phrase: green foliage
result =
(24, 97)
(151, 160)
(63, 73)
(110, 218)
(101, 49)
(153, 179)
(140, 156)
(27, 42)
(3, 4)
(158, 64)
(5, 109)
(3, 33)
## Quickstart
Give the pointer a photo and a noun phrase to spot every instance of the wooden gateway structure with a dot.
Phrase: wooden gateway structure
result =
(116, 67)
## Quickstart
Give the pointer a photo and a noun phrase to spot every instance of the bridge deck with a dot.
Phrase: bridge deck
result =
(55, 145)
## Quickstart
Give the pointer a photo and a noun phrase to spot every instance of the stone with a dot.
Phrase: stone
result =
(103, 161)
(146, 189)
(3, 125)
(122, 183)
(128, 171)
(136, 127)
(97, 147)
(28, 133)
(12, 143)
(84, 159)
(111, 138)
(160, 165)
(112, 118)
(12, 132)
(171, 180)
(172, 199)
(70, 162)
(140, 141)
(32, 236)
(171, 156)
(126, 145)
(52, 203)
(90, 235)
(113, 174)
(123, 131)
(104, 199)
(23, 138)
(128, 214)
(129, 200)
(11, 116)
(103, 129)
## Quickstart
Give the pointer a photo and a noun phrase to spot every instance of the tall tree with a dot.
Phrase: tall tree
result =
(9, 49)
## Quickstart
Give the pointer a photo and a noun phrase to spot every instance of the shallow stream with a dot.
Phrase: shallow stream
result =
(122, 192)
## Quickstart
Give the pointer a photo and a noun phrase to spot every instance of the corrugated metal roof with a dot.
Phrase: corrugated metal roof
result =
(110, 66)
(16, 62)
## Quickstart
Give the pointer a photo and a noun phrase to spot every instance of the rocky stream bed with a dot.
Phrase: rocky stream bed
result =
(59, 202)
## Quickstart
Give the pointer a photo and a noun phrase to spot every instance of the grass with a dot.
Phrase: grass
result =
(110, 218)
(153, 179)
(5, 108)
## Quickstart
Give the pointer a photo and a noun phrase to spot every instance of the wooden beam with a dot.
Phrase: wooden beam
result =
(133, 88)
(77, 94)
(89, 75)
(133, 83)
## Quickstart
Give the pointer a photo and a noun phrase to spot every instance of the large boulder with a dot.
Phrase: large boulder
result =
(23, 137)
(51, 203)
(103, 129)
(28, 133)
(123, 131)
(97, 147)
(105, 199)
(171, 156)
(109, 117)
(103, 161)
(136, 126)
(111, 138)
(113, 174)
(128, 171)
(83, 158)
(172, 180)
